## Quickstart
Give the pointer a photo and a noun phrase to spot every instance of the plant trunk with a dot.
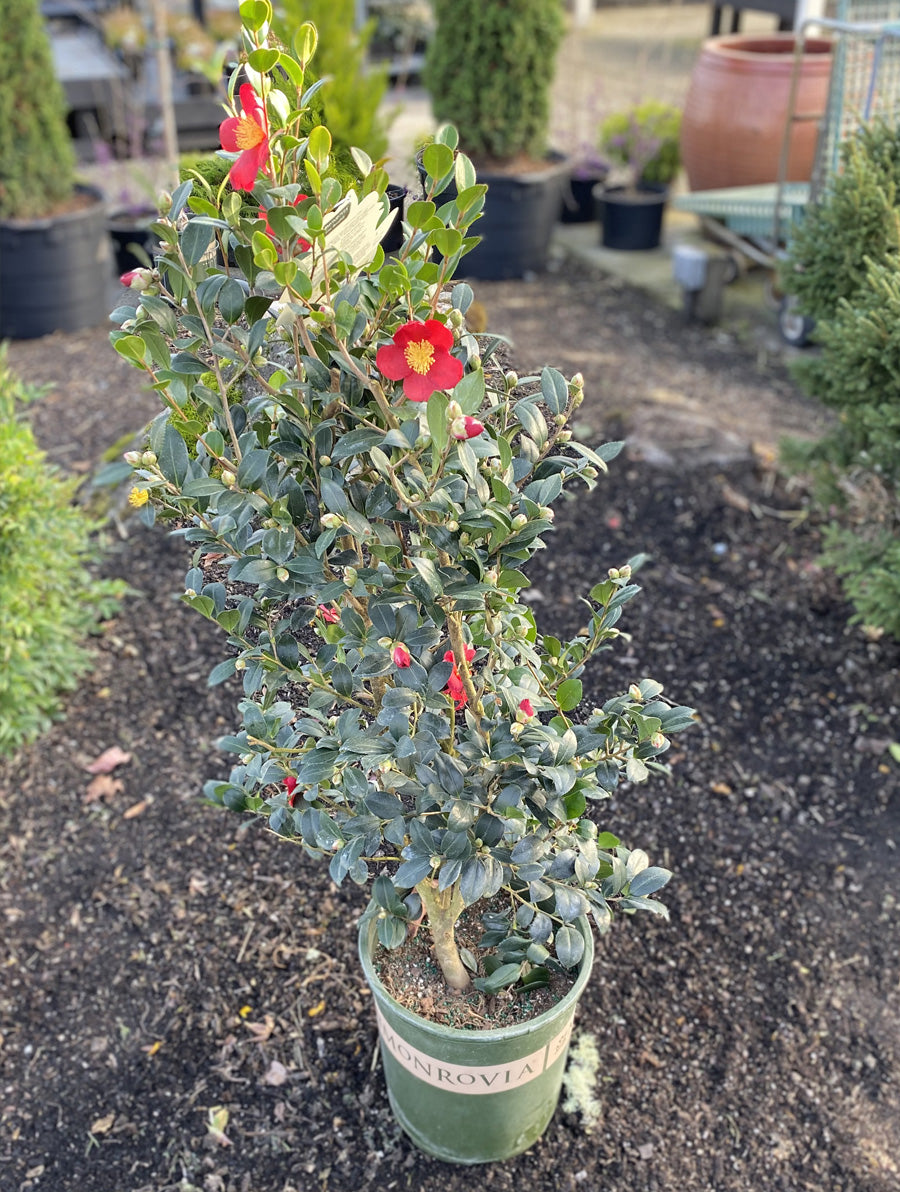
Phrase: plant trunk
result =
(443, 908)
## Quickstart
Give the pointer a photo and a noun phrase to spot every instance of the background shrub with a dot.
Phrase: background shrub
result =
(844, 268)
(49, 601)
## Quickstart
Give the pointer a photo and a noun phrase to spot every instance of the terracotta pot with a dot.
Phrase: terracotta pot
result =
(736, 110)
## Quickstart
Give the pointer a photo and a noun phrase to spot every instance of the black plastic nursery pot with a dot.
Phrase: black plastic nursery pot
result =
(578, 204)
(392, 241)
(127, 235)
(520, 212)
(468, 1096)
(55, 272)
(631, 219)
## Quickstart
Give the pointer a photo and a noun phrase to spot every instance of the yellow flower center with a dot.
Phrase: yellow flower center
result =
(248, 134)
(419, 355)
(138, 497)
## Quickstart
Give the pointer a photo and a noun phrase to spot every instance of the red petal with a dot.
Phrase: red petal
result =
(445, 372)
(418, 388)
(253, 106)
(391, 360)
(438, 334)
(227, 133)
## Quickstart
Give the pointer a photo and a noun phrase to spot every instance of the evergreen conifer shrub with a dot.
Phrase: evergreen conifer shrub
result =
(844, 267)
(489, 70)
(37, 160)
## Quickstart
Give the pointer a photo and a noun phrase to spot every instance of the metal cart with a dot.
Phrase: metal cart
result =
(757, 221)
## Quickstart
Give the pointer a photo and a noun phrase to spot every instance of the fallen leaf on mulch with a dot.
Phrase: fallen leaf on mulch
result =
(108, 760)
(103, 1125)
(275, 1074)
(101, 787)
(136, 809)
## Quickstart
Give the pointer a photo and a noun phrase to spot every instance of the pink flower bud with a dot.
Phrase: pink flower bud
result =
(466, 427)
(290, 785)
(400, 655)
(525, 710)
(137, 279)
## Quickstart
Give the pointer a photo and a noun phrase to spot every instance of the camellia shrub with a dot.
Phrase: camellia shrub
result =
(49, 600)
(360, 486)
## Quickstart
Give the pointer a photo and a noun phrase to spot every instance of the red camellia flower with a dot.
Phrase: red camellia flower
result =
(468, 652)
(526, 709)
(420, 358)
(305, 245)
(290, 784)
(456, 690)
(466, 427)
(400, 655)
(247, 134)
(330, 616)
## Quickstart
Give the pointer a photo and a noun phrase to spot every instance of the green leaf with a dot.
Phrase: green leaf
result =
(554, 390)
(437, 160)
(500, 978)
(568, 694)
(437, 425)
(131, 347)
(263, 60)
(231, 301)
(255, 13)
(319, 146)
(648, 881)
(195, 240)
(470, 392)
(569, 946)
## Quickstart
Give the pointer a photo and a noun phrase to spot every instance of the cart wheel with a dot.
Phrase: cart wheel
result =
(795, 328)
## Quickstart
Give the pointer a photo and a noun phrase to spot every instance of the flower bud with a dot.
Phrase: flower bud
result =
(332, 521)
(658, 740)
(634, 693)
(140, 280)
(577, 381)
(564, 436)
(516, 728)
(163, 201)
(475, 361)
(491, 576)
(351, 575)
(148, 458)
(452, 526)
(560, 419)
(228, 478)
(282, 574)
(132, 457)
(547, 513)
(577, 398)
(455, 319)
(240, 664)
(324, 460)
(625, 572)
(454, 411)
(511, 379)
(590, 473)
(519, 521)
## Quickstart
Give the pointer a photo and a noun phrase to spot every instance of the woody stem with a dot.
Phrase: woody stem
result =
(443, 908)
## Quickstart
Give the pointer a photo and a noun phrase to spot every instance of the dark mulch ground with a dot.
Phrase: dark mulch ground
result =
(180, 1003)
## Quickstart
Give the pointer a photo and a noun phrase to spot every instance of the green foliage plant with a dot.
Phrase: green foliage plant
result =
(844, 268)
(49, 600)
(489, 69)
(644, 141)
(351, 101)
(855, 220)
(371, 485)
(37, 159)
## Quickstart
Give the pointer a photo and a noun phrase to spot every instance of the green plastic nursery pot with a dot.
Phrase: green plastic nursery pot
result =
(473, 1096)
